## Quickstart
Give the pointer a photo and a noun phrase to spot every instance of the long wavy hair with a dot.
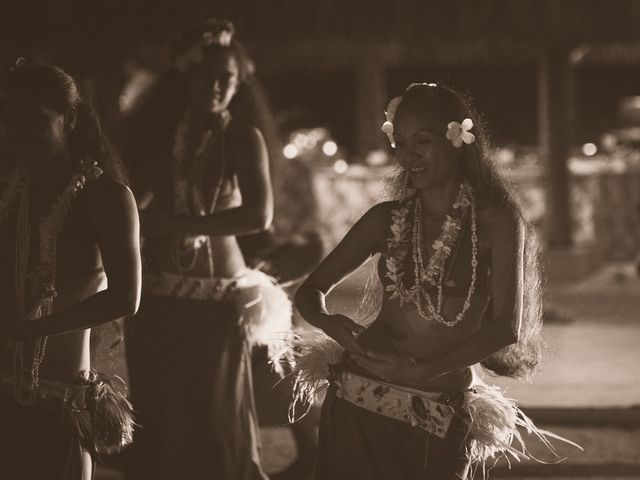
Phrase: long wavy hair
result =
(491, 189)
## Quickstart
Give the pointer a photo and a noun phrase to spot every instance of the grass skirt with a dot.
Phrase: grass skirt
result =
(493, 423)
(47, 437)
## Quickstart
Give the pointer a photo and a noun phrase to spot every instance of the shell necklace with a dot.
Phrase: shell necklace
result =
(408, 236)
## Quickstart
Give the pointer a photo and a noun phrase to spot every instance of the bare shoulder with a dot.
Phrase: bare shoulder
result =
(246, 145)
(106, 197)
(381, 212)
(500, 223)
(243, 134)
(377, 221)
(105, 190)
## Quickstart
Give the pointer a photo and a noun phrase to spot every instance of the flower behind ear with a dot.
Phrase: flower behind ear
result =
(390, 112)
(459, 133)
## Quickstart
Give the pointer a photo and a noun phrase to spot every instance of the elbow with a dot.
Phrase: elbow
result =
(261, 220)
(128, 304)
(301, 302)
(507, 336)
(133, 305)
(265, 220)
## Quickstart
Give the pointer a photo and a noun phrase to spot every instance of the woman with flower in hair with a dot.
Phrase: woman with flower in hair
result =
(205, 176)
(69, 261)
(460, 287)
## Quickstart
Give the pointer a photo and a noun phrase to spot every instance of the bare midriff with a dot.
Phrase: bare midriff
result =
(404, 330)
(177, 253)
(225, 257)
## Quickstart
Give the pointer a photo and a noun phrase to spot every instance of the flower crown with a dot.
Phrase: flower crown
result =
(457, 133)
(215, 32)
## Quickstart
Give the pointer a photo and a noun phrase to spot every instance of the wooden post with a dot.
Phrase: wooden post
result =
(555, 117)
(370, 101)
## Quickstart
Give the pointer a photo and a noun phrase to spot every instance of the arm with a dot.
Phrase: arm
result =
(256, 212)
(506, 236)
(505, 233)
(113, 211)
(365, 238)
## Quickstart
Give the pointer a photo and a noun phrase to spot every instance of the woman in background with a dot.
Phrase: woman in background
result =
(203, 176)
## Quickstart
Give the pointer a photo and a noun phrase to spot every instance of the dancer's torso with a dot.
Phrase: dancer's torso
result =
(404, 330)
(224, 258)
(79, 275)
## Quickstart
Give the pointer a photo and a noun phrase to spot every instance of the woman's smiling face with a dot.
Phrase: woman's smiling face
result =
(422, 148)
(214, 82)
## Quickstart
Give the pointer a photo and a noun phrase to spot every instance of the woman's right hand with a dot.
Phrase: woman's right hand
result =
(344, 331)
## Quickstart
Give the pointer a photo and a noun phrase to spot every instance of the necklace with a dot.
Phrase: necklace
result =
(406, 235)
(35, 291)
(188, 165)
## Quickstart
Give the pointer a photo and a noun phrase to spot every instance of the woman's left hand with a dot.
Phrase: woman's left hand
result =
(155, 223)
(392, 367)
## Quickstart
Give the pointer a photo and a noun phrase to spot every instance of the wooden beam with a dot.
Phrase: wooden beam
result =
(554, 116)
(371, 93)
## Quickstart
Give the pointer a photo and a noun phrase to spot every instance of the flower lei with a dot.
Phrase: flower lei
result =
(407, 236)
(187, 166)
(42, 280)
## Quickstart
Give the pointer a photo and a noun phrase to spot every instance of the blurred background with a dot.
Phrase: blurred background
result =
(558, 82)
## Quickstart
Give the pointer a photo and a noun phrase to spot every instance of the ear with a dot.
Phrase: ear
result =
(70, 120)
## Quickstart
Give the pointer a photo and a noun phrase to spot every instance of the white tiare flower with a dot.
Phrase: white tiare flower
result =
(390, 112)
(223, 37)
(459, 133)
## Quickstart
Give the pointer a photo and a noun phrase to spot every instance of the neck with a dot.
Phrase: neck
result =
(437, 199)
(53, 174)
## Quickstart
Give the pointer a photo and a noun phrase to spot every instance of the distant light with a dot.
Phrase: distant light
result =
(290, 151)
(608, 141)
(329, 148)
(310, 142)
(340, 166)
(376, 158)
(589, 149)
(299, 140)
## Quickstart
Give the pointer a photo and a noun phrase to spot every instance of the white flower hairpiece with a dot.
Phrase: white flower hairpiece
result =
(459, 133)
(423, 84)
(222, 37)
(219, 34)
(390, 112)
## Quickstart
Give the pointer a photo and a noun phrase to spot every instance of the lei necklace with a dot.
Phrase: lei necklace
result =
(188, 164)
(37, 288)
(408, 236)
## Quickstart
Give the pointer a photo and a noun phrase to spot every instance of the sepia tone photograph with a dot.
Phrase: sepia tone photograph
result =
(320, 240)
